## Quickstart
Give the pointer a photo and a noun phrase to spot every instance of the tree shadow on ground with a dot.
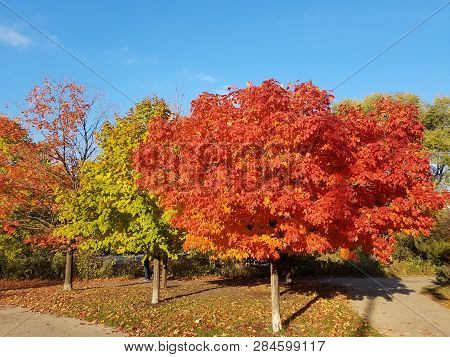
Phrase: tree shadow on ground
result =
(434, 293)
(299, 312)
(354, 288)
(189, 294)
(215, 285)
(238, 282)
(364, 328)
(9, 285)
(118, 284)
(173, 284)
(368, 289)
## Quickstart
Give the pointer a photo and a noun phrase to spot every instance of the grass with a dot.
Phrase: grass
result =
(206, 306)
(439, 293)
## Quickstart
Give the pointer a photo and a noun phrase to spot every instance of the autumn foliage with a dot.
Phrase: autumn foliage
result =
(41, 155)
(267, 170)
(60, 114)
(27, 182)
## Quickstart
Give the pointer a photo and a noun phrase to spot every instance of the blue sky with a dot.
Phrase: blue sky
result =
(153, 47)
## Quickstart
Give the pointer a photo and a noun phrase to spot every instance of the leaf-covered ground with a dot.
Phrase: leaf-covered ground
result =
(205, 306)
(440, 294)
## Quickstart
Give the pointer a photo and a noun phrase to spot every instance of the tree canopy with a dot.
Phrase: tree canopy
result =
(436, 118)
(110, 211)
(266, 169)
(28, 182)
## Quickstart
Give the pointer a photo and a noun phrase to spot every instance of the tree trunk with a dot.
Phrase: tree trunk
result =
(164, 272)
(274, 277)
(156, 277)
(146, 269)
(69, 267)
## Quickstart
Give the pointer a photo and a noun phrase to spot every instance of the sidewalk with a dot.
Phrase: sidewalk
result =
(395, 307)
(17, 321)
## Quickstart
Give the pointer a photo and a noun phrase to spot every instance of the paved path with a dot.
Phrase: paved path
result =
(17, 321)
(395, 307)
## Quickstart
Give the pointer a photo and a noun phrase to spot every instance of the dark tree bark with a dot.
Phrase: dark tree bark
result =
(275, 292)
(165, 271)
(156, 277)
(68, 276)
(146, 269)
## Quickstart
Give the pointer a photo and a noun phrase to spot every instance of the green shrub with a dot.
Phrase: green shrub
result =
(411, 267)
(433, 249)
(192, 264)
(26, 262)
(131, 268)
(443, 275)
(30, 265)
(425, 255)
(58, 265)
(90, 267)
(197, 263)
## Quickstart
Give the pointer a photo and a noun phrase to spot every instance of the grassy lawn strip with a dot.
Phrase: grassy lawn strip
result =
(439, 293)
(206, 306)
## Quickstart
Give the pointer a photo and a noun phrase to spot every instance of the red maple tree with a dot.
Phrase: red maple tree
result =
(268, 170)
(27, 183)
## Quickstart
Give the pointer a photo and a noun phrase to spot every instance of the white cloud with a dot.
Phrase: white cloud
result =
(151, 60)
(130, 61)
(223, 90)
(13, 38)
(129, 55)
(200, 76)
(206, 78)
